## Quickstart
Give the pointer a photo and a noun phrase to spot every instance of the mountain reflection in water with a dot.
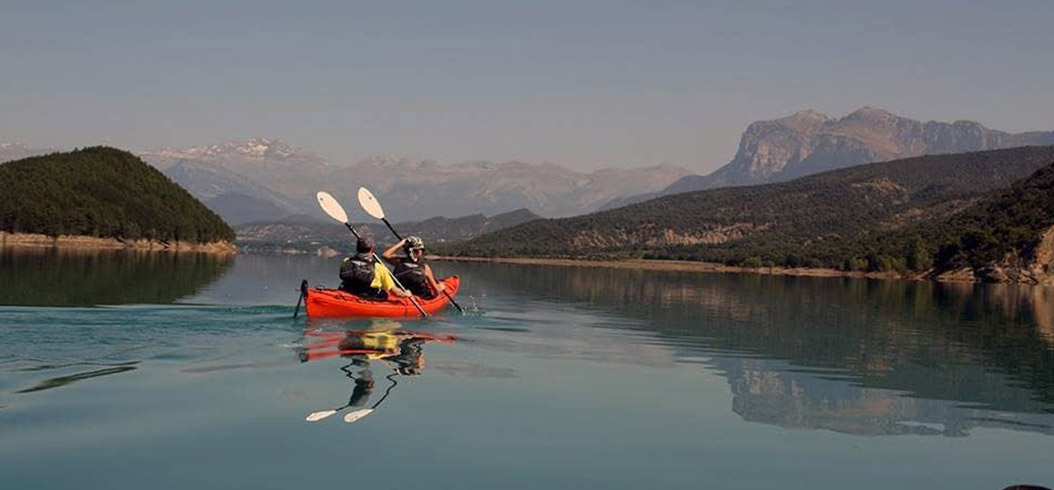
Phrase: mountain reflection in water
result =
(848, 355)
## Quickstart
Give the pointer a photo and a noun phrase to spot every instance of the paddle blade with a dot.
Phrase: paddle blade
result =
(356, 415)
(315, 417)
(370, 204)
(331, 207)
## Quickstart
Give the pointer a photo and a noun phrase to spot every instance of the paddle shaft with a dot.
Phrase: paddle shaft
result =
(303, 293)
(397, 283)
(398, 237)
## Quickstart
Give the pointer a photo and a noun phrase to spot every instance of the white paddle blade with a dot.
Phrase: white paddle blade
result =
(356, 415)
(315, 417)
(370, 204)
(331, 207)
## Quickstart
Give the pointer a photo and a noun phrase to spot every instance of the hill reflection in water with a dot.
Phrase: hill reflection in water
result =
(62, 277)
(848, 355)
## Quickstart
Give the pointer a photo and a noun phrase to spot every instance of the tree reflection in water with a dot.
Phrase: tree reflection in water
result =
(72, 277)
(849, 355)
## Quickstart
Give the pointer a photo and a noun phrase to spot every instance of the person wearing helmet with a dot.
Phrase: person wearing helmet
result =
(361, 274)
(411, 270)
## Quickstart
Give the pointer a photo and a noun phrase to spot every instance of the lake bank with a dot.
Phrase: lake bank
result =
(37, 240)
(1035, 268)
(1001, 274)
(687, 266)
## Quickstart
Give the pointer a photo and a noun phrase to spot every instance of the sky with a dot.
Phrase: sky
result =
(580, 83)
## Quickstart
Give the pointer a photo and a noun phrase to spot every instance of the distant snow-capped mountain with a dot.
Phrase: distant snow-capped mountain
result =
(15, 151)
(259, 168)
(251, 150)
(230, 177)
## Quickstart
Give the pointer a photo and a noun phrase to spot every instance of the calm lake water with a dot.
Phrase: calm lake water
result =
(185, 371)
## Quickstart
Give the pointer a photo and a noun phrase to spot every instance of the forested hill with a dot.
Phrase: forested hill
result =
(836, 219)
(1000, 236)
(102, 192)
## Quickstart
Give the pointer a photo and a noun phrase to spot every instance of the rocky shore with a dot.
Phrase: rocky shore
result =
(679, 265)
(1033, 274)
(35, 240)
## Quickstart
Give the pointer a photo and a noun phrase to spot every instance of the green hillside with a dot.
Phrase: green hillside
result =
(881, 216)
(1010, 220)
(101, 192)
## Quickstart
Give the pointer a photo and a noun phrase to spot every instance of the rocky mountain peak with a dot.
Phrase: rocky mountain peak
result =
(805, 121)
(809, 142)
(869, 113)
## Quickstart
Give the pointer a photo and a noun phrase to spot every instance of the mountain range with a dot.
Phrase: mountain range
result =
(245, 181)
(260, 179)
(809, 142)
(305, 234)
(947, 211)
(267, 179)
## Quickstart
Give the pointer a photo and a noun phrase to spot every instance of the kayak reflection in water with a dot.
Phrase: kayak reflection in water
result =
(401, 350)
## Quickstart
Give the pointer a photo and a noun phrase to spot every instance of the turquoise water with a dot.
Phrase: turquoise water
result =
(191, 373)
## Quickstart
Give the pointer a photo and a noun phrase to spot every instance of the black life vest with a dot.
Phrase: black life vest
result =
(412, 276)
(356, 274)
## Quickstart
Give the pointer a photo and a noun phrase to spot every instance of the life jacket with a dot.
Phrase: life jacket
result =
(412, 276)
(356, 274)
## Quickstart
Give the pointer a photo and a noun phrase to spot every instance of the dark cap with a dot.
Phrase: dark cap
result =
(365, 244)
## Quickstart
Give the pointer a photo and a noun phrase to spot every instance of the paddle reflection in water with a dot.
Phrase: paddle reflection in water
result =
(384, 341)
(846, 355)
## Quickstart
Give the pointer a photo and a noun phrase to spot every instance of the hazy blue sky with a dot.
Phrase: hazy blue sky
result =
(585, 83)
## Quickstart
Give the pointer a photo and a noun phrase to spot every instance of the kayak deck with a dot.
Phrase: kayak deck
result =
(330, 303)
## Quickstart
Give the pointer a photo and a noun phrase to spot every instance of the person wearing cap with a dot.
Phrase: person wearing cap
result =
(363, 275)
(411, 270)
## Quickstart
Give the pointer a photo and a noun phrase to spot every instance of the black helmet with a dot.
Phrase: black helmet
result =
(365, 245)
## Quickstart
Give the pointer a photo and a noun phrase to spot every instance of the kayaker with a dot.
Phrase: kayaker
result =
(361, 274)
(411, 270)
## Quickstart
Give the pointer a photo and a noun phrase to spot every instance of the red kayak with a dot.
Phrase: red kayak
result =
(329, 303)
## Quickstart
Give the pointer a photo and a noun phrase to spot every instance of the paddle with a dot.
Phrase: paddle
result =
(336, 211)
(373, 208)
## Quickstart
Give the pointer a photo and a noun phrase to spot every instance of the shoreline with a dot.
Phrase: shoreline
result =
(700, 267)
(82, 242)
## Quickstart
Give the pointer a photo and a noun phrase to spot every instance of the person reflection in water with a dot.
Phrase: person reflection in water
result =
(400, 350)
